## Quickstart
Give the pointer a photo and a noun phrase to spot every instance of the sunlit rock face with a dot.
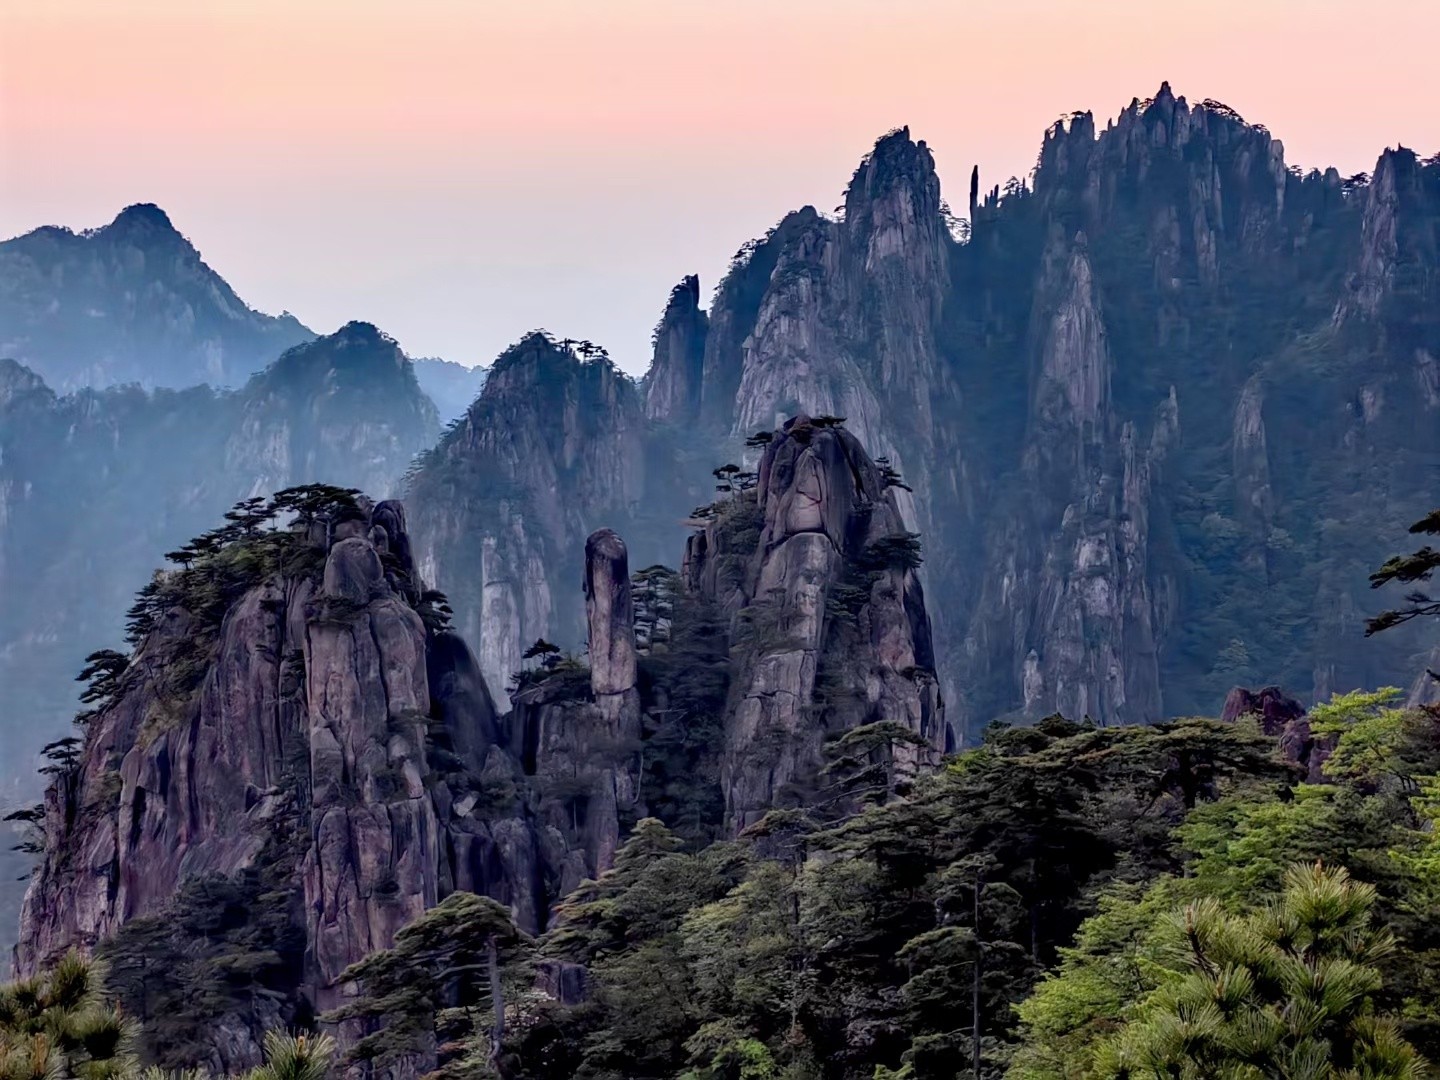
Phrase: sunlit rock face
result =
(330, 740)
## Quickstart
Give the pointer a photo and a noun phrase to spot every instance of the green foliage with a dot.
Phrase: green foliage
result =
(1375, 741)
(61, 1024)
(567, 677)
(434, 611)
(1283, 990)
(878, 945)
(684, 681)
(1419, 566)
(215, 951)
(899, 552)
(542, 650)
(459, 958)
(295, 1057)
(890, 476)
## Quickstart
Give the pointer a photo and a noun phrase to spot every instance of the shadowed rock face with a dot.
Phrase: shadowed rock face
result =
(677, 370)
(581, 743)
(96, 485)
(556, 446)
(503, 504)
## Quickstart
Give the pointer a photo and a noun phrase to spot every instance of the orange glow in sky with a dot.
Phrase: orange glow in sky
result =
(460, 172)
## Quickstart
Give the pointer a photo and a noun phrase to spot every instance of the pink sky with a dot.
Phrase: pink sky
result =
(460, 172)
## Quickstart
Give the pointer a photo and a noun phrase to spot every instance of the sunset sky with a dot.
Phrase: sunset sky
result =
(458, 173)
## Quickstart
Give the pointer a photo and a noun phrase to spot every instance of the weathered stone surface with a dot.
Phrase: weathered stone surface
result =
(806, 664)
(96, 485)
(339, 673)
(677, 370)
(555, 446)
(353, 571)
(609, 613)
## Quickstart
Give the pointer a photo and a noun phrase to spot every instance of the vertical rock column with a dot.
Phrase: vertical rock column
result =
(610, 617)
(373, 865)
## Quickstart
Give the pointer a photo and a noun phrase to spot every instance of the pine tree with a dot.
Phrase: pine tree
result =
(1285, 991)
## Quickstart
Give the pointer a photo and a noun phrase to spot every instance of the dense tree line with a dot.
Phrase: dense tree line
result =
(1064, 902)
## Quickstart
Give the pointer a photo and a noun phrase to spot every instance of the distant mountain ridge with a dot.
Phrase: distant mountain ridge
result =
(131, 301)
(1163, 408)
(452, 386)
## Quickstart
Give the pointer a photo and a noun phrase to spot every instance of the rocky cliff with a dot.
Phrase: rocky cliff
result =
(555, 447)
(829, 631)
(129, 302)
(1141, 400)
(97, 485)
(346, 406)
(294, 710)
(299, 751)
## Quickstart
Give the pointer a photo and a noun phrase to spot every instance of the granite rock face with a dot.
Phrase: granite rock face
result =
(829, 626)
(1069, 611)
(321, 709)
(578, 732)
(346, 405)
(556, 446)
(677, 369)
(1282, 717)
(96, 485)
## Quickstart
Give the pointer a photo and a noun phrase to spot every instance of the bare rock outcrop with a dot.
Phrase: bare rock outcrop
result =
(320, 705)
(829, 627)
(677, 369)
(579, 731)
(1069, 615)
(553, 448)
(1282, 717)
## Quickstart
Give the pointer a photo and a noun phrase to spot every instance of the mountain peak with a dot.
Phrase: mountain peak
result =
(896, 162)
(143, 220)
(359, 332)
(17, 379)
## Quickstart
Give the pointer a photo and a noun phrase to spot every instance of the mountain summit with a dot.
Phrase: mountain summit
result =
(131, 301)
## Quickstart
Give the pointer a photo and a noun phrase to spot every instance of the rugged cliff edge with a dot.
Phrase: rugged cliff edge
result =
(299, 738)
(299, 730)
(1139, 400)
(288, 718)
(97, 485)
(555, 447)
